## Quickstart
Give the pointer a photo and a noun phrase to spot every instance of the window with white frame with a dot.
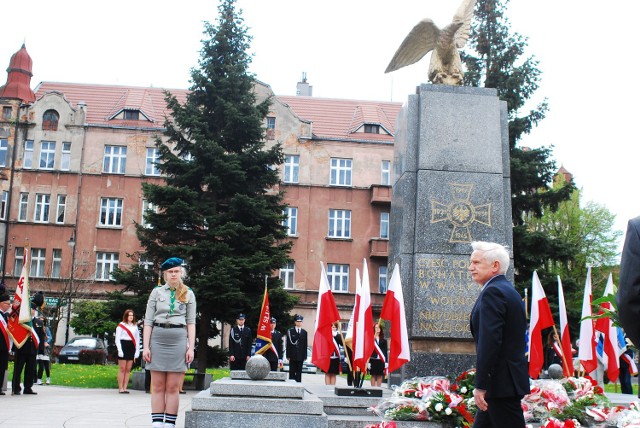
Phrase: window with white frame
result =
(291, 168)
(115, 159)
(65, 159)
(38, 259)
(271, 122)
(385, 173)
(105, 264)
(27, 161)
(147, 207)
(340, 172)
(384, 225)
(111, 212)
(23, 206)
(4, 148)
(338, 277)
(61, 208)
(291, 220)
(47, 154)
(287, 275)
(151, 167)
(382, 279)
(41, 212)
(339, 224)
(145, 262)
(3, 207)
(18, 261)
(56, 263)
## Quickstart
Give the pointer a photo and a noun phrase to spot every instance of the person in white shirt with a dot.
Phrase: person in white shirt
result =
(128, 343)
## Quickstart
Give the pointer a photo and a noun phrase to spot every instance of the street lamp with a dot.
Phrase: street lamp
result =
(72, 244)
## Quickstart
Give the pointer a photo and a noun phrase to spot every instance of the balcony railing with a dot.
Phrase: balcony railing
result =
(378, 247)
(380, 194)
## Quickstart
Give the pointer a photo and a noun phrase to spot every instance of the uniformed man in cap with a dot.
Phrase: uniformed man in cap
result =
(296, 348)
(240, 340)
(25, 356)
(274, 354)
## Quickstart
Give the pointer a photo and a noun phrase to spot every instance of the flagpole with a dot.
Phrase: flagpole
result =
(564, 359)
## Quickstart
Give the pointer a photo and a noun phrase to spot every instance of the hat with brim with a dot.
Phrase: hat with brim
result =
(241, 317)
(37, 301)
(273, 320)
(298, 318)
(171, 263)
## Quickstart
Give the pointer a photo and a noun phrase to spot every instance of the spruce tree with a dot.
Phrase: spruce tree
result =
(495, 59)
(218, 209)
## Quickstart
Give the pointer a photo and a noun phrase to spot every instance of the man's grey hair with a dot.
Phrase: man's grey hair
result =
(493, 252)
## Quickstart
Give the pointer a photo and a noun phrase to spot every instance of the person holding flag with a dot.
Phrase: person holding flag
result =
(378, 360)
(25, 355)
(331, 373)
(264, 339)
(5, 339)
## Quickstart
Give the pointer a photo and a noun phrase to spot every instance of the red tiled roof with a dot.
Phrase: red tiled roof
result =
(104, 101)
(338, 119)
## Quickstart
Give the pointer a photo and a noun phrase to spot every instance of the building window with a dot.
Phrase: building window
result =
(7, 111)
(147, 207)
(41, 213)
(385, 173)
(151, 165)
(340, 172)
(382, 279)
(145, 262)
(18, 261)
(287, 275)
(339, 224)
(131, 115)
(384, 225)
(65, 160)
(3, 207)
(372, 129)
(115, 159)
(271, 122)
(27, 162)
(50, 120)
(47, 154)
(38, 260)
(111, 212)
(338, 277)
(22, 208)
(56, 264)
(4, 147)
(105, 264)
(61, 208)
(291, 222)
(291, 168)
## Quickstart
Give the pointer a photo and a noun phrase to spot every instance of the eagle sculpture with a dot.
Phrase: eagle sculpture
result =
(446, 66)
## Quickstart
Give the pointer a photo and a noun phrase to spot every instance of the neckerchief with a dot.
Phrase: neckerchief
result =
(172, 300)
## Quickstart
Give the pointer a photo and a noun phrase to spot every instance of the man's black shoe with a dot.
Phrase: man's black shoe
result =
(30, 392)
(15, 392)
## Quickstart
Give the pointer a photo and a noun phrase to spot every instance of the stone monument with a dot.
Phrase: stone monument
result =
(451, 187)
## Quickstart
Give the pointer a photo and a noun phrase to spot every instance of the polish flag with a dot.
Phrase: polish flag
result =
(326, 315)
(587, 348)
(541, 318)
(565, 338)
(363, 339)
(606, 327)
(393, 310)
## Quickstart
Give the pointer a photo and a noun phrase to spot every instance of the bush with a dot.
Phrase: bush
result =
(91, 356)
(217, 357)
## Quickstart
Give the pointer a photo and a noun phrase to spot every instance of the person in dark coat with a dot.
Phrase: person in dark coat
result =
(240, 341)
(378, 360)
(296, 349)
(274, 354)
(5, 339)
(334, 360)
(498, 325)
(25, 356)
(628, 297)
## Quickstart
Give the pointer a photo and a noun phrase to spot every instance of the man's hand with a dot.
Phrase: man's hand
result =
(478, 396)
(232, 358)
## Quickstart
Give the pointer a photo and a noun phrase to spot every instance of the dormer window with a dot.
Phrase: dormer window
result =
(371, 129)
(50, 120)
(131, 115)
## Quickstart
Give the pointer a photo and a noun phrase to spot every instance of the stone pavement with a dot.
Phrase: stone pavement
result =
(58, 406)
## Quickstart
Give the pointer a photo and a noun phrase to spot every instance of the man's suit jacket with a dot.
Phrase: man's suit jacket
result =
(276, 340)
(240, 342)
(297, 344)
(498, 326)
(628, 297)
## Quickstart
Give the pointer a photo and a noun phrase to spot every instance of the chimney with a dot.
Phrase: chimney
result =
(303, 88)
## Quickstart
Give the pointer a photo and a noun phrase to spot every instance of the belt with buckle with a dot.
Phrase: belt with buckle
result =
(167, 325)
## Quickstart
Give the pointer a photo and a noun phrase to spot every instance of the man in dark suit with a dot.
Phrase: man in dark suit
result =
(628, 297)
(498, 326)
(274, 354)
(296, 349)
(240, 340)
(25, 356)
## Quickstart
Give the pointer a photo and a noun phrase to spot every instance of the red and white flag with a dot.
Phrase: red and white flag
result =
(326, 315)
(565, 338)
(541, 318)
(393, 310)
(19, 324)
(610, 335)
(587, 345)
(363, 335)
(263, 339)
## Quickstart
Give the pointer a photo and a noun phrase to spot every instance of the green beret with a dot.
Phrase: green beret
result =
(171, 263)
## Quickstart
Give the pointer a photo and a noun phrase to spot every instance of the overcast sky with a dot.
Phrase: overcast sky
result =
(585, 48)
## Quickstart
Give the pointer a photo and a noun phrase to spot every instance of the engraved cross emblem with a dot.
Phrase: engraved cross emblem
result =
(460, 212)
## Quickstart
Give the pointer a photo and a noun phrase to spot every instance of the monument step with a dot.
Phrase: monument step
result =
(257, 388)
(310, 405)
(207, 419)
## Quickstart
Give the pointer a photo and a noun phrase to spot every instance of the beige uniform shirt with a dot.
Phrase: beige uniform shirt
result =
(159, 305)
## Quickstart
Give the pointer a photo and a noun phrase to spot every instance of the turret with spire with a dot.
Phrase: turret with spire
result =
(19, 75)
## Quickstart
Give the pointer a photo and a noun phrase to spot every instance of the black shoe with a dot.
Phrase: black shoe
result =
(15, 392)
(30, 392)
(3, 393)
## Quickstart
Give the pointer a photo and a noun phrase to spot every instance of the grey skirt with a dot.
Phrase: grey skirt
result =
(168, 347)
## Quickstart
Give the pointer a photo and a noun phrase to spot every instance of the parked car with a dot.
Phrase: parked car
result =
(307, 366)
(83, 350)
